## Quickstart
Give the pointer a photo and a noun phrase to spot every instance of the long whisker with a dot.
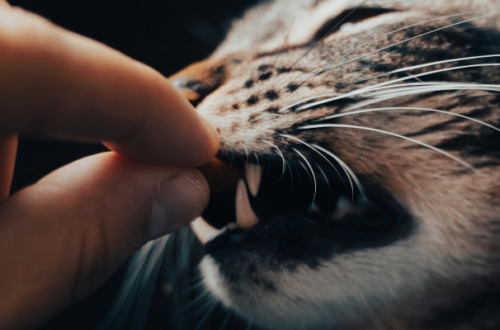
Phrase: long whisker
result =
(383, 36)
(408, 108)
(326, 180)
(442, 84)
(369, 88)
(291, 174)
(243, 139)
(432, 88)
(206, 316)
(398, 43)
(337, 96)
(419, 66)
(312, 172)
(310, 99)
(246, 150)
(392, 134)
(346, 168)
(279, 153)
(225, 322)
(399, 92)
(414, 77)
(306, 170)
(342, 164)
(256, 158)
(202, 297)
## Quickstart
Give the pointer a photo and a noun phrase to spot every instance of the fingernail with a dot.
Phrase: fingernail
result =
(177, 203)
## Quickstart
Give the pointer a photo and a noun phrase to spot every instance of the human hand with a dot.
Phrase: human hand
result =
(64, 236)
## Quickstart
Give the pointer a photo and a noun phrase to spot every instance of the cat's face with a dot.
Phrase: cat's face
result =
(382, 215)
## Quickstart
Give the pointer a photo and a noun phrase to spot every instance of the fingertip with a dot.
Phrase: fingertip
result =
(178, 202)
(214, 143)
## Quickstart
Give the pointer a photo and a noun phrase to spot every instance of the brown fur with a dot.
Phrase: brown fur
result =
(456, 209)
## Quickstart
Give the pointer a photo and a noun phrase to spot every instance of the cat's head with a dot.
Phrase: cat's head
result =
(367, 131)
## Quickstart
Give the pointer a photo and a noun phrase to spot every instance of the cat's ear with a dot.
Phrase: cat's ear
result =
(347, 19)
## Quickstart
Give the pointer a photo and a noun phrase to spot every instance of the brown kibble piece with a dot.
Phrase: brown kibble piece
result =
(221, 176)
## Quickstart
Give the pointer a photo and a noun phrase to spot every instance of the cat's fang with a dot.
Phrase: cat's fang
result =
(254, 177)
(245, 216)
(203, 230)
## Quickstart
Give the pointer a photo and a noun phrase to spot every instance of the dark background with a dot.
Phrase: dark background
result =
(165, 34)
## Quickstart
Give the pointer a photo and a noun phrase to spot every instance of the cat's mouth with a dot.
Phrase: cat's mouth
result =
(292, 210)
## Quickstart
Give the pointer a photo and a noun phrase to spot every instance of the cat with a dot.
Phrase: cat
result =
(360, 151)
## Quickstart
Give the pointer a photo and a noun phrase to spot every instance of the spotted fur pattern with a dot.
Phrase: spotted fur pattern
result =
(444, 273)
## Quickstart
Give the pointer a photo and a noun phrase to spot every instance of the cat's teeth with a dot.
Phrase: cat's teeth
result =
(254, 176)
(245, 216)
(204, 231)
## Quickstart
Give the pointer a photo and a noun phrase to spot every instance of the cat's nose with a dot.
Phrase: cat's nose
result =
(200, 79)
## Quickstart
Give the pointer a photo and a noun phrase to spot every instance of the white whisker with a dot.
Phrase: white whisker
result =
(392, 134)
(326, 179)
(380, 37)
(225, 322)
(291, 174)
(346, 168)
(408, 108)
(256, 158)
(342, 164)
(306, 170)
(414, 77)
(312, 172)
(370, 88)
(326, 159)
(246, 150)
(206, 316)
(401, 42)
(309, 99)
(436, 88)
(279, 153)
(419, 66)
(243, 144)
(204, 297)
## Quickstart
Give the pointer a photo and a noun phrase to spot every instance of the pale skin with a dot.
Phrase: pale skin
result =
(64, 236)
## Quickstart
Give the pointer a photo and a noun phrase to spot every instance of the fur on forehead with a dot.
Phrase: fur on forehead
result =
(266, 26)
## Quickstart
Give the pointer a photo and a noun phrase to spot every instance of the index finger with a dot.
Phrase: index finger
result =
(59, 84)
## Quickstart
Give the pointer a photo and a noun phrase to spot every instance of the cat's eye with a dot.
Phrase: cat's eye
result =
(348, 18)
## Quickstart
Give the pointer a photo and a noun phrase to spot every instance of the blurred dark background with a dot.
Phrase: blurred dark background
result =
(165, 34)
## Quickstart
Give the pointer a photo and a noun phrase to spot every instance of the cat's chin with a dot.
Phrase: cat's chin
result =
(254, 301)
(257, 306)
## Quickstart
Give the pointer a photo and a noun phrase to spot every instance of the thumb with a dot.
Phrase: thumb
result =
(63, 237)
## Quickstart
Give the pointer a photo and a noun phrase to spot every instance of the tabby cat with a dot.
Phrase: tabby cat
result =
(364, 186)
